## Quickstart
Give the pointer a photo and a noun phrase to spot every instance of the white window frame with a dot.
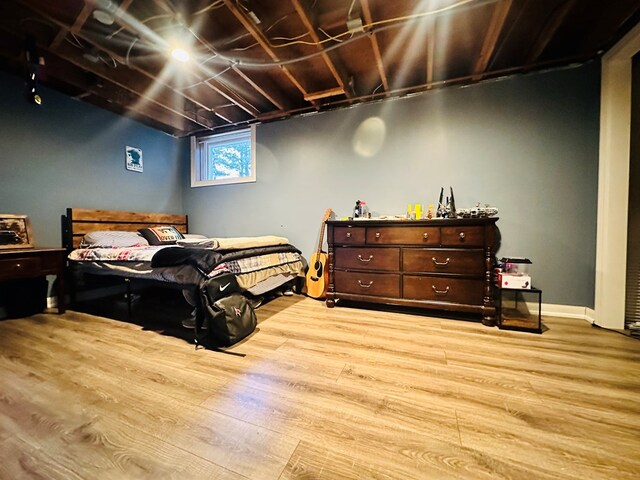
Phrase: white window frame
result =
(199, 163)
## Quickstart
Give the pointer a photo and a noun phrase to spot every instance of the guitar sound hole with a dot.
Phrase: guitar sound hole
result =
(318, 268)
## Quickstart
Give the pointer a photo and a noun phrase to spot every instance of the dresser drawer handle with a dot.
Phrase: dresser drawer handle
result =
(377, 234)
(348, 234)
(425, 236)
(440, 292)
(365, 259)
(462, 235)
(435, 262)
(365, 286)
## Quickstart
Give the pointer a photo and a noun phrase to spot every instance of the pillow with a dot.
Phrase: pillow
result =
(161, 235)
(107, 239)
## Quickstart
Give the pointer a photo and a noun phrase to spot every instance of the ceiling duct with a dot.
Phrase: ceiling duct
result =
(105, 12)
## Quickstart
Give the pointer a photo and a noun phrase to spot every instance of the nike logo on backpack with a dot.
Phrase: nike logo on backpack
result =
(222, 289)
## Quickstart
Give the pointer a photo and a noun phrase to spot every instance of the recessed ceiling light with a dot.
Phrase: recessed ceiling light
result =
(103, 17)
(180, 54)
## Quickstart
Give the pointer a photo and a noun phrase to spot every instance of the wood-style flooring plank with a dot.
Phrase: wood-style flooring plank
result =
(321, 394)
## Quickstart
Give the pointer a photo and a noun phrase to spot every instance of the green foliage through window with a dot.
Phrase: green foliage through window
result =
(223, 158)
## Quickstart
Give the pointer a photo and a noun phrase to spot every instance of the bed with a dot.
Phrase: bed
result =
(157, 248)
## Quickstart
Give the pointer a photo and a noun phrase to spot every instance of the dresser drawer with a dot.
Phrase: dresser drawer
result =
(19, 267)
(403, 236)
(348, 235)
(443, 260)
(363, 283)
(443, 289)
(462, 235)
(367, 258)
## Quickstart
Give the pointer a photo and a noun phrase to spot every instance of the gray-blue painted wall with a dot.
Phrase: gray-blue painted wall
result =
(527, 145)
(67, 153)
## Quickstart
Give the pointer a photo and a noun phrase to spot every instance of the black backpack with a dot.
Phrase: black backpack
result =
(225, 316)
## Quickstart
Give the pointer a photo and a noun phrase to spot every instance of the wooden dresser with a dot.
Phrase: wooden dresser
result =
(443, 264)
(34, 263)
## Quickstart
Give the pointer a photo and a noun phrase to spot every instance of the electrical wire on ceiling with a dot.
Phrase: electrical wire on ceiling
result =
(372, 25)
(369, 29)
(211, 6)
(144, 22)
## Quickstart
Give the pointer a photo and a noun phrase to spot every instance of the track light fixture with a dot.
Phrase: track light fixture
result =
(32, 72)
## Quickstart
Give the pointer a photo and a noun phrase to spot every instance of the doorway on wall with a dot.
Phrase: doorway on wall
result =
(632, 292)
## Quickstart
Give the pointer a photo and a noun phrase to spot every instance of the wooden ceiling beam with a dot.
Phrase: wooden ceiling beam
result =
(77, 25)
(314, 36)
(332, 92)
(250, 109)
(126, 73)
(257, 35)
(366, 11)
(549, 30)
(431, 52)
(67, 76)
(220, 86)
(81, 19)
(66, 53)
(491, 38)
(258, 88)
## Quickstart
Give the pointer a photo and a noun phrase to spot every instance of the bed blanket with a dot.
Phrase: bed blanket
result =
(117, 254)
(207, 260)
(235, 243)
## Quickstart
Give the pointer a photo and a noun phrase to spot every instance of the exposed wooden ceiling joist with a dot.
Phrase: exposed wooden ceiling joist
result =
(325, 57)
(366, 12)
(259, 60)
(491, 39)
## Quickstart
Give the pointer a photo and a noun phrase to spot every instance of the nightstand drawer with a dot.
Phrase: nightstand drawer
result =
(363, 283)
(19, 268)
(368, 258)
(443, 289)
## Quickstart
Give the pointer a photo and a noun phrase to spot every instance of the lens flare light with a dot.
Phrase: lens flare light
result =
(180, 54)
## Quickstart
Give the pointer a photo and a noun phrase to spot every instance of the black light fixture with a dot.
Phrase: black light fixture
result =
(32, 71)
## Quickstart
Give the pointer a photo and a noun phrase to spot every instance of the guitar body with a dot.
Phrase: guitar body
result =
(317, 276)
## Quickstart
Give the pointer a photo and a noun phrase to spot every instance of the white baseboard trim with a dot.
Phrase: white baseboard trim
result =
(564, 311)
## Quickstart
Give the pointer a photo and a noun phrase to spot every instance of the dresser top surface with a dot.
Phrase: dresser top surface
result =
(436, 222)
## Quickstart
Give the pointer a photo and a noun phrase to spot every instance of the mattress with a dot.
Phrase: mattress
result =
(136, 262)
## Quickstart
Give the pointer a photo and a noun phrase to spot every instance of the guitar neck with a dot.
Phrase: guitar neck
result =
(322, 226)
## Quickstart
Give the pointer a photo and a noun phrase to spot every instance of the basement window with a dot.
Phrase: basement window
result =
(223, 158)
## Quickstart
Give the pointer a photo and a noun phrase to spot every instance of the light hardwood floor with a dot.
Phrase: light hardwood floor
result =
(321, 394)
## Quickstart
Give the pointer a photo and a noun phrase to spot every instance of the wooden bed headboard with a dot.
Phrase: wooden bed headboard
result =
(80, 221)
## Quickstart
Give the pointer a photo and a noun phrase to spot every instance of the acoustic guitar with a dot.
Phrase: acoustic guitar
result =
(317, 275)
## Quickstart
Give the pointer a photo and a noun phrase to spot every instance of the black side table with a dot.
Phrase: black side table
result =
(516, 313)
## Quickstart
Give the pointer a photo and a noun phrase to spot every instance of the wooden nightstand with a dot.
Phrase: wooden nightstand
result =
(34, 263)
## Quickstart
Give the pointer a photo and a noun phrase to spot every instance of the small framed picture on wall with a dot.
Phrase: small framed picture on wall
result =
(133, 159)
(15, 231)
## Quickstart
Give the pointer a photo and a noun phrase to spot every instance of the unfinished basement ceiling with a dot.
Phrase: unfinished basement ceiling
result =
(260, 60)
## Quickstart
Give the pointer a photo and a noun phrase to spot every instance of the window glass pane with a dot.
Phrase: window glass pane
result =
(229, 160)
(223, 158)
